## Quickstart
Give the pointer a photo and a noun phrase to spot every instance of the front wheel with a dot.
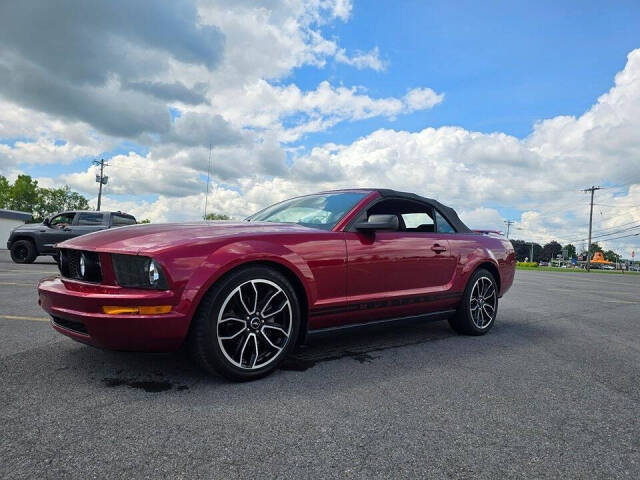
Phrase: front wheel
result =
(23, 251)
(246, 324)
(479, 307)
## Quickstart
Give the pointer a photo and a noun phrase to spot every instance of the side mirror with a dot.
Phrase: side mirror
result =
(379, 222)
(46, 221)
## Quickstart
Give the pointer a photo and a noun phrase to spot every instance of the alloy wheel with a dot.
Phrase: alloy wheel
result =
(483, 302)
(254, 324)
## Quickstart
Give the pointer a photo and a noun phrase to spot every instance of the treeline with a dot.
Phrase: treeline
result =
(26, 196)
(552, 249)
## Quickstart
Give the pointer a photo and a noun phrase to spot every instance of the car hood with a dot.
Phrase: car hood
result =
(150, 238)
(29, 227)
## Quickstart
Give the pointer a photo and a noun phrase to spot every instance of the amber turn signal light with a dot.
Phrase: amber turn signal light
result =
(141, 310)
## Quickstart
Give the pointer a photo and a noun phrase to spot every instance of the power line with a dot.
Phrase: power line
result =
(602, 233)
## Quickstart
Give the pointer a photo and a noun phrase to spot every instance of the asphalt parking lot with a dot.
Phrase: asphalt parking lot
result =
(552, 392)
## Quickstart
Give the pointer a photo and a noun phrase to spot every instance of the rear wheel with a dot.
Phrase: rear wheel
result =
(246, 325)
(479, 307)
(23, 251)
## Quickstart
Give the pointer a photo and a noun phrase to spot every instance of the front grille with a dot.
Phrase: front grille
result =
(69, 263)
(71, 325)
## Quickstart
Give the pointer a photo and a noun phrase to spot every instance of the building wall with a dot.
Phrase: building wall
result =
(6, 225)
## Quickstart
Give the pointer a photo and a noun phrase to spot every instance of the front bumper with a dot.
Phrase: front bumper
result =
(76, 311)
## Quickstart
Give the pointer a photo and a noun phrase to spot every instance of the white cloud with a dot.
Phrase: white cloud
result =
(422, 99)
(237, 93)
(361, 60)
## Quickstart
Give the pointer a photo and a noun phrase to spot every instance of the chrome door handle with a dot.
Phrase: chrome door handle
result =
(438, 248)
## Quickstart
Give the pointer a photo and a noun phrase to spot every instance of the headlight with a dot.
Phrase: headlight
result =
(83, 265)
(135, 271)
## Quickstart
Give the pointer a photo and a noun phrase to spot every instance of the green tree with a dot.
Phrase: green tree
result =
(595, 248)
(5, 192)
(53, 200)
(216, 216)
(571, 250)
(551, 250)
(522, 250)
(611, 256)
(25, 195)
(145, 220)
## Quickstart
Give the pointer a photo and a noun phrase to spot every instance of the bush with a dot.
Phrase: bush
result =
(526, 264)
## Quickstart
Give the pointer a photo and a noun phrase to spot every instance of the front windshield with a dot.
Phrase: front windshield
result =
(318, 211)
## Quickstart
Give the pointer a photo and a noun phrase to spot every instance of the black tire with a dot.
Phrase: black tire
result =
(23, 251)
(205, 342)
(469, 320)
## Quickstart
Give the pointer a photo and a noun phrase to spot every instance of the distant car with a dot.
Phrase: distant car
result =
(543, 264)
(243, 294)
(27, 242)
(608, 267)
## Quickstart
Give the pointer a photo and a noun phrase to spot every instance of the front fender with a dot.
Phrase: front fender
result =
(232, 255)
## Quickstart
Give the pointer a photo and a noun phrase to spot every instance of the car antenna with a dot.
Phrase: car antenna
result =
(206, 196)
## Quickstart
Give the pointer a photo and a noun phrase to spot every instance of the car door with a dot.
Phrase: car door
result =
(88, 222)
(58, 229)
(398, 273)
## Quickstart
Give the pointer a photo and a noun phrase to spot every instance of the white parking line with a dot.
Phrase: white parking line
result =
(20, 317)
(15, 284)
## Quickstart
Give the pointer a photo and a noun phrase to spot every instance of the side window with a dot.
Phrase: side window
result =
(414, 216)
(419, 222)
(443, 225)
(90, 218)
(121, 220)
(62, 220)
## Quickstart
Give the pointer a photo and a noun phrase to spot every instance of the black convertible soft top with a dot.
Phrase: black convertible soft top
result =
(447, 212)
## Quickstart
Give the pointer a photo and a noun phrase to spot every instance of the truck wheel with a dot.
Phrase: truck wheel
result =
(23, 251)
(479, 307)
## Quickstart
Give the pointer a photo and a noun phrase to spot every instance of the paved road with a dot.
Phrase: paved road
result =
(553, 391)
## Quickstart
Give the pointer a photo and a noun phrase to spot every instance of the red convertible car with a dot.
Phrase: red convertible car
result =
(243, 294)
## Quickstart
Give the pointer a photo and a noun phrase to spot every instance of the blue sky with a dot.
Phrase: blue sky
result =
(502, 65)
(501, 109)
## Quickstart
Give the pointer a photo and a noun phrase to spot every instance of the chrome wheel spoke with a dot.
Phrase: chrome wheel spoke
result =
(254, 324)
(276, 328)
(482, 304)
(244, 346)
(244, 305)
(268, 340)
(235, 335)
(255, 298)
(268, 302)
(255, 359)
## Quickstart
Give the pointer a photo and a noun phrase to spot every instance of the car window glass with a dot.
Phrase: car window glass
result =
(90, 219)
(415, 220)
(119, 220)
(443, 225)
(62, 220)
(319, 211)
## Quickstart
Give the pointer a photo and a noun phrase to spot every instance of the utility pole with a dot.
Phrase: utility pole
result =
(531, 259)
(101, 179)
(508, 223)
(592, 190)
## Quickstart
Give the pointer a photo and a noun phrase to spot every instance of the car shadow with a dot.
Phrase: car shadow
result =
(156, 373)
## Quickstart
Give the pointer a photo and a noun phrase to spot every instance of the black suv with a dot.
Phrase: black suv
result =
(26, 242)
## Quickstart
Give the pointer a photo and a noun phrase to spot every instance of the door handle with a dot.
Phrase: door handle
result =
(438, 248)
(66, 229)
